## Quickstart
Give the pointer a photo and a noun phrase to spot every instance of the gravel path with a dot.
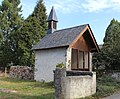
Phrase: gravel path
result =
(114, 96)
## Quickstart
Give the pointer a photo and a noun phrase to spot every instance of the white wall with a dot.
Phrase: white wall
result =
(46, 61)
(68, 59)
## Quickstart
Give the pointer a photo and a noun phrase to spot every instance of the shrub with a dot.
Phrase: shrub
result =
(106, 86)
(60, 65)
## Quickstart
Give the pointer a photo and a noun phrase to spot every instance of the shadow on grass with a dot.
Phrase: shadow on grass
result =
(33, 83)
(28, 82)
(13, 80)
(20, 96)
(43, 85)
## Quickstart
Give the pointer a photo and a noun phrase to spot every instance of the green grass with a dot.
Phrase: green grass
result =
(26, 89)
(37, 90)
(107, 86)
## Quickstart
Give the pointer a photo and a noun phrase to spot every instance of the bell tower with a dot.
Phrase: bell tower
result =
(52, 21)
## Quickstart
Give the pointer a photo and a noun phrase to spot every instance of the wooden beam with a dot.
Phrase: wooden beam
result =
(93, 38)
(83, 60)
(89, 61)
(77, 51)
(78, 36)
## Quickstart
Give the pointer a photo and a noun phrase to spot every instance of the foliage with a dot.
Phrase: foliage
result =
(17, 36)
(35, 90)
(10, 23)
(1, 37)
(106, 86)
(60, 65)
(32, 31)
(26, 89)
(112, 45)
(109, 57)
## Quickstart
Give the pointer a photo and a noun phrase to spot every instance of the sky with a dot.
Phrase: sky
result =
(96, 13)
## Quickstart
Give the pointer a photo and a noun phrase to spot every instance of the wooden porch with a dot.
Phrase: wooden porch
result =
(81, 51)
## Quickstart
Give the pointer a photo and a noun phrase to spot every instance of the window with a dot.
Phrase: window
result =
(74, 59)
(86, 60)
(80, 60)
(54, 25)
(49, 25)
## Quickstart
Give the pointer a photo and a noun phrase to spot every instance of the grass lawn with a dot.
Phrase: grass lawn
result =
(25, 89)
(37, 90)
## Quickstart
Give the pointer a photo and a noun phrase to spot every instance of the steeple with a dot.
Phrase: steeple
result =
(52, 21)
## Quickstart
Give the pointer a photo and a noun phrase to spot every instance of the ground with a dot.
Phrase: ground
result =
(20, 89)
(106, 86)
(114, 96)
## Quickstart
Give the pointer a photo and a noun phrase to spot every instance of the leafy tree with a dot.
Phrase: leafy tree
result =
(20, 35)
(112, 45)
(32, 31)
(10, 23)
(36, 23)
(1, 37)
(109, 57)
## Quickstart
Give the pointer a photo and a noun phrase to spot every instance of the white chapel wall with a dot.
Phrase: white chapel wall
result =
(46, 61)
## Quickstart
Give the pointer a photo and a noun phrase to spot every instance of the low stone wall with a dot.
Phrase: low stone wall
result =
(21, 72)
(116, 75)
(72, 87)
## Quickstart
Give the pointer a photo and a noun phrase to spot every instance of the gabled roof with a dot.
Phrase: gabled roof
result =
(63, 38)
(59, 38)
(52, 15)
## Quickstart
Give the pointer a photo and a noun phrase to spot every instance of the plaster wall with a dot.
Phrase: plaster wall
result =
(46, 61)
(68, 59)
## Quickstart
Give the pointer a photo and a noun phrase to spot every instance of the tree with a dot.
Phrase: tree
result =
(112, 44)
(36, 23)
(10, 23)
(32, 31)
(109, 57)
(1, 37)
(20, 35)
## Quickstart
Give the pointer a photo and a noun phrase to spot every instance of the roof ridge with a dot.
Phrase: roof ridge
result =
(70, 27)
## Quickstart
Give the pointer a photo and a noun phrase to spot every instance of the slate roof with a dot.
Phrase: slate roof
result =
(52, 15)
(59, 38)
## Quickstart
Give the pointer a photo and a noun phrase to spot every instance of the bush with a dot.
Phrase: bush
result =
(60, 65)
(106, 86)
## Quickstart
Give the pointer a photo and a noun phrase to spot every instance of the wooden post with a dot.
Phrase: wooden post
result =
(83, 60)
(89, 61)
(77, 51)
(5, 71)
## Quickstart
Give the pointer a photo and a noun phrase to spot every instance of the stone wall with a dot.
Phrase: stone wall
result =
(72, 87)
(116, 75)
(22, 72)
(59, 75)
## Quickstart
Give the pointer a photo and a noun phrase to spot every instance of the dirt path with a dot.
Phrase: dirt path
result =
(7, 91)
(114, 96)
